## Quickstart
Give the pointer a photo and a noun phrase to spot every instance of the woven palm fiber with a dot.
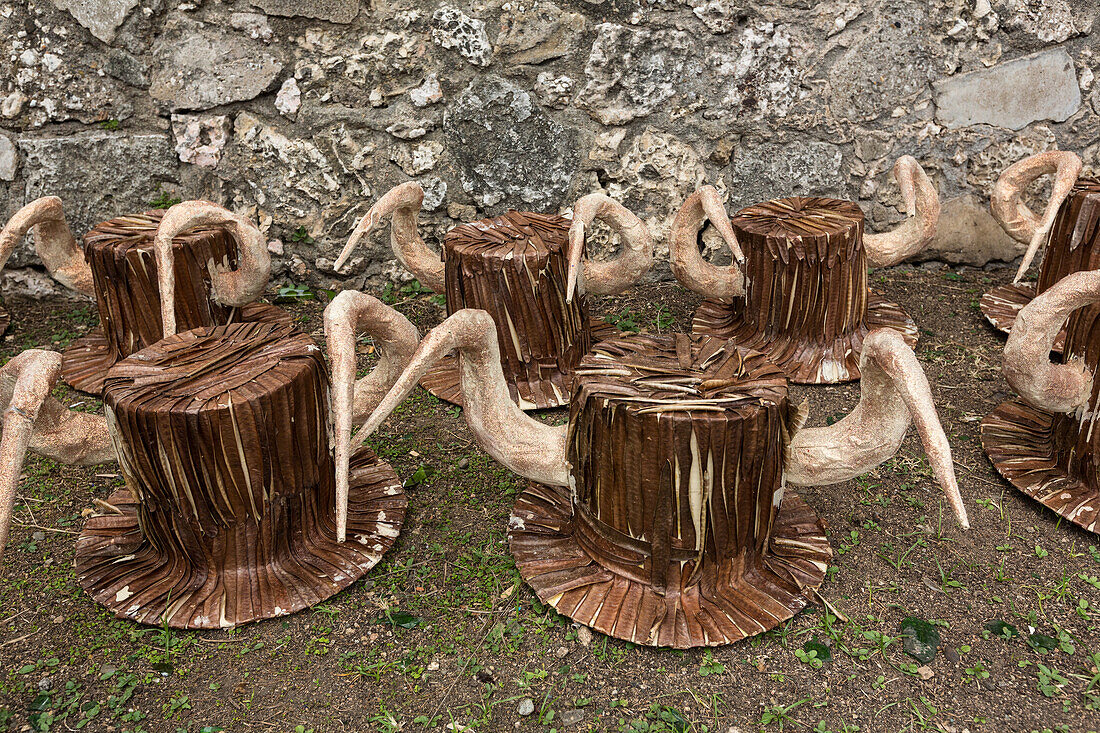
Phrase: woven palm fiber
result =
(123, 263)
(677, 531)
(807, 304)
(229, 513)
(1073, 246)
(514, 266)
(1055, 458)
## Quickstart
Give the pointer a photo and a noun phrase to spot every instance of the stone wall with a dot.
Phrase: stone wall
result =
(301, 113)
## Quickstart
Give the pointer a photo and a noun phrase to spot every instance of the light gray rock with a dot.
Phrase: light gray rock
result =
(200, 66)
(417, 159)
(127, 68)
(508, 151)
(1013, 94)
(888, 65)
(538, 33)
(631, 72)
(254, 24)
(453, 29)
(101, 17)
(97, 174)
(798, 168)
(1051, 21)
(435, 193)
(720, 16)
(967, 234)
(526, 706)
(9, 159)
(200, 140)
(429, 92)
(337, 11)
(572, 717)
(554, 91)
(289, 98)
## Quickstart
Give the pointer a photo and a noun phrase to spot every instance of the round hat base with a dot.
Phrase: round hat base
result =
(1002, 304)
(806, 362)
(86, 361)
(1019, 440)
(120, 569)
(552, 561)
(553, 390)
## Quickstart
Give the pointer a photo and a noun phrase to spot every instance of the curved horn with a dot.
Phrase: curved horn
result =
(693, 272)
(231, 287)
(521, 443)
(893, 391)
(922, 209)
(615, 276)
(1055, 387)
(1014, 216)
(349, 314)
(35, 421)
(403, 201)
(53, 241)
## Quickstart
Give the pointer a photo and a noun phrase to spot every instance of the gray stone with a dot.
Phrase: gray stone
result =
(572, 717)
(967, 234)
(631, 72)
(539, 33)
(127, 68)
(254, 24)
(799, 168)
(199, 67)
(417, 159)
(9, 159)
(720, 16)
(200, 140)
(554, 91)
(526, 707)
(1041, 86)
(435, 193)
(429, 92)
(507, 149)
(1051, 21)
(453, 29)
(289, 98)
(887, 65)
(101, 17)
(337, 11)
(97, 174)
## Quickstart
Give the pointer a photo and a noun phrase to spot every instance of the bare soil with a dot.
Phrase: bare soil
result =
(478, 643)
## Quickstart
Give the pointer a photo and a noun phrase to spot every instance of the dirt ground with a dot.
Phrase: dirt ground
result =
(444, 635)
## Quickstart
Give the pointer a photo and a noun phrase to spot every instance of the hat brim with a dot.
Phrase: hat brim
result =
(443, 380)
(120, 569)
(1002, 304)
(554, 563)
(806, 362)
(86, 361)
(1019, 440)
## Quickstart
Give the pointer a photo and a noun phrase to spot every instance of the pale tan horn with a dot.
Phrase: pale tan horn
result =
(695, 273)
(618, 274)
(231, 287)
(893, 391)
(53, 241)
(35, 421)
(1027, 367)
(403, 201)
(349, 314)
(1014, 216)
(922, 209)
(520, 443)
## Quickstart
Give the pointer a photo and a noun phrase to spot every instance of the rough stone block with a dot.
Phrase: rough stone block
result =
(97, 174)
(101, 17)
(199, 67)
(1041, 86)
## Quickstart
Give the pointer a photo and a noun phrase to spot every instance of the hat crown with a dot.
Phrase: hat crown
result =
(676, 447)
